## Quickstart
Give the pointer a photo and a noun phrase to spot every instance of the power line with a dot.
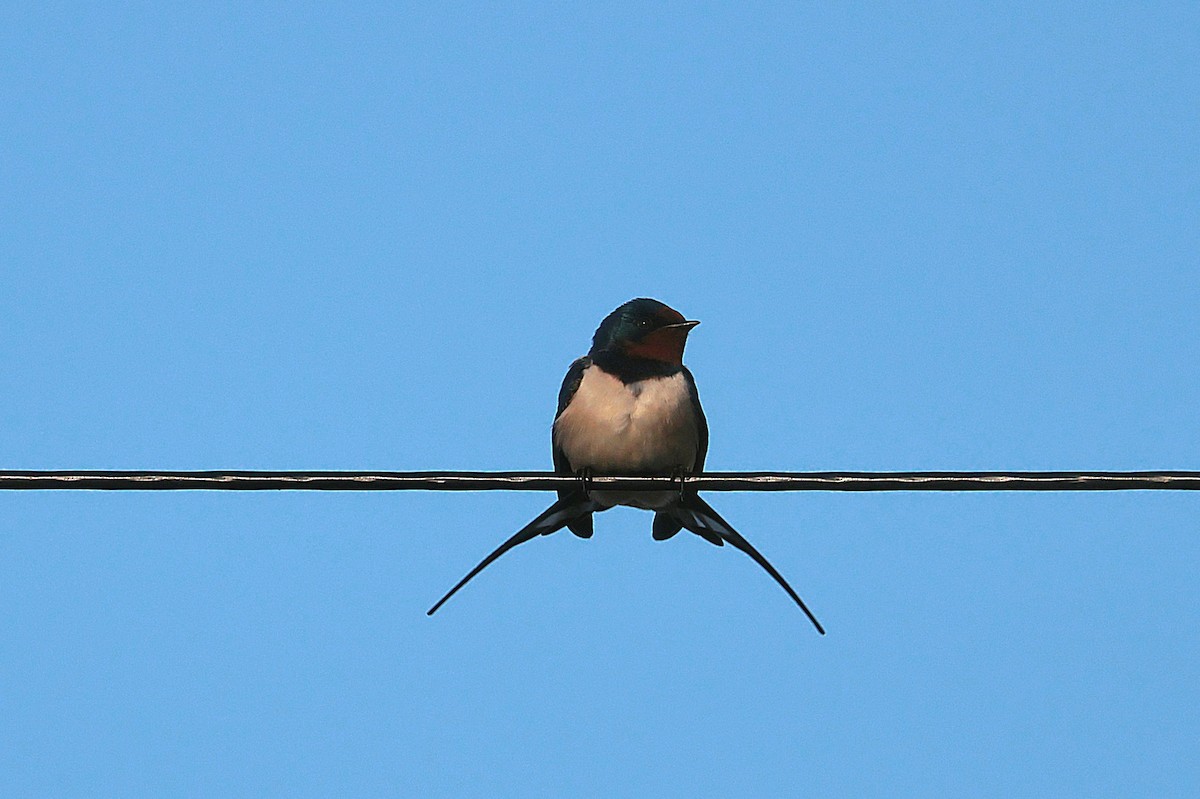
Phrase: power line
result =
(548, 481)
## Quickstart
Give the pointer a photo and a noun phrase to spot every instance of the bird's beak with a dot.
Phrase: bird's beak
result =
(678, 325)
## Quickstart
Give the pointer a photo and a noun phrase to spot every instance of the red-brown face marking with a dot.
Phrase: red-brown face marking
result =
(664, 344)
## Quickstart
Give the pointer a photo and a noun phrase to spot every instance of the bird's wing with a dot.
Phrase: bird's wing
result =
(550, 520)
(571, 383)
(701, 423)
(698, 516)
(582, 526)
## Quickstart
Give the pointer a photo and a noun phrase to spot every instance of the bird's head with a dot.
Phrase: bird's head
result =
(644, 328)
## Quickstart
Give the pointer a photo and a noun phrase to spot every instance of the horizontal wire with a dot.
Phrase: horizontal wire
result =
(549, 481)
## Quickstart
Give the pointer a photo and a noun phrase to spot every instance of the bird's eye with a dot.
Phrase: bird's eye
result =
(644, 323)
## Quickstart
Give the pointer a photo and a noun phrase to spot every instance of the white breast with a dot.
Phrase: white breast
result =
(647, 426)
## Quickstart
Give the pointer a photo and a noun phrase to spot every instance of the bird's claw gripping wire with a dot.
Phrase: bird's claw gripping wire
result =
(681, 474)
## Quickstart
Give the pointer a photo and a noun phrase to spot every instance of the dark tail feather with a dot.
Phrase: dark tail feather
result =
(698, 516)
(581, 526)
(566, 510)
(664, 526)
(688, 518)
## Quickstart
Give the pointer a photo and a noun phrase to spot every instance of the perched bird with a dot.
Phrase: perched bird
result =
(630, 407)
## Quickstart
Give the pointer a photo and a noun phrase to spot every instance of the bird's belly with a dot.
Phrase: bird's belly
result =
(648, 500)
(647, 427)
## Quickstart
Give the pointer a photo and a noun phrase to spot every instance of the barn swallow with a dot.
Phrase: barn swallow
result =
(630, 407)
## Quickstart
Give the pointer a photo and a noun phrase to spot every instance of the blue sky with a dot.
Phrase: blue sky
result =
(275, 237)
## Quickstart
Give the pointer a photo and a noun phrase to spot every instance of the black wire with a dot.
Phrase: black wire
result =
(548, 481)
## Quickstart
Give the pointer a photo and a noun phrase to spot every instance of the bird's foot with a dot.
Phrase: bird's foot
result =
(585, 479)
(681, 474)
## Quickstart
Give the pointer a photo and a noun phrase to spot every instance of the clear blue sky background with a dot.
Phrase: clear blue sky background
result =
(373, 237)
